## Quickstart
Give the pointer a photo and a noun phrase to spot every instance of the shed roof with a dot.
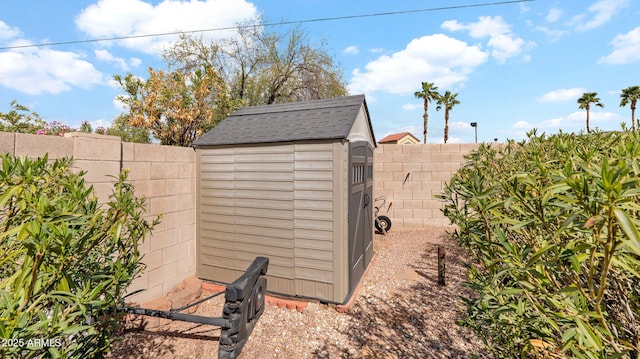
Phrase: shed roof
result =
(308, 120)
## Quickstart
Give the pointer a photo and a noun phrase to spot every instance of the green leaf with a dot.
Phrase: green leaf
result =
(568, 335)
(540, 252)
(510, 291)
(591, 314)
(629, 229)
(527, 285)
(591, 338)
(63, 284)
(572, 288)
(8, 194)
(566, 224)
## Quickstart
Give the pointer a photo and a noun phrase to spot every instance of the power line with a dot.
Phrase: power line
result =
(347, 17)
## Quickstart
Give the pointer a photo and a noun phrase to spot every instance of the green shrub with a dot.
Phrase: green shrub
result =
(65, 260)
(552, 224)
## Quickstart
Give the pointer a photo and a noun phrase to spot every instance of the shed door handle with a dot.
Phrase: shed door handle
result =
(367, 200)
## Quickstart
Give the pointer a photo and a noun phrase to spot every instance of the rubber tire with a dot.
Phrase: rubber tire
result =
(383, 221)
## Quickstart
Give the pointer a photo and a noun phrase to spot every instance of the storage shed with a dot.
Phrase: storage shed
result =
(292, 182)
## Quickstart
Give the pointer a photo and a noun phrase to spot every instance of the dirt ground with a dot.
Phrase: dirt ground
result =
(400, 312)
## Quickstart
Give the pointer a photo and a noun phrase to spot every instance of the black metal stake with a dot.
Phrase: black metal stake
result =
(441, 266)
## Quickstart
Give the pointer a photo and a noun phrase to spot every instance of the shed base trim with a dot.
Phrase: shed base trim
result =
(351, 298)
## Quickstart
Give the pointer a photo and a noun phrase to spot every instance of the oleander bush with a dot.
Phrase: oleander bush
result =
(65, 259)
(553, 226)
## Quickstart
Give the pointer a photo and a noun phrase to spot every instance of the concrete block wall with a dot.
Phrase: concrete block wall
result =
(20, 144)
(99, 156)
(411, 175)
(164, 175)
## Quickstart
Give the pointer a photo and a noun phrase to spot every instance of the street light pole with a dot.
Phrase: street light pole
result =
(475, 126)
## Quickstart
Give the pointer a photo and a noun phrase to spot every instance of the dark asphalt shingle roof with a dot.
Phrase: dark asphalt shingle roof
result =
(308, 120)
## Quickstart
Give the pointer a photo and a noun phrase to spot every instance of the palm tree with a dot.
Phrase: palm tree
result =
(429, 92)
(630, 95)
(584, 103)
(448, 100)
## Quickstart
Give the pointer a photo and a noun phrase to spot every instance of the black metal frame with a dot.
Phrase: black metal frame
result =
(243, 306)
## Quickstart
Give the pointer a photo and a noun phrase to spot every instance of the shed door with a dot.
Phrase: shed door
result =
(360, 210)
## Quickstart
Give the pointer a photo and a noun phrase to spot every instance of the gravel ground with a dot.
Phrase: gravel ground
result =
(400, 312)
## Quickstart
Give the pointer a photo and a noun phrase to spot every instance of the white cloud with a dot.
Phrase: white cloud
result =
(105, 55)
(435, 58)
(38, 70)
(554, 15)
(7, 32)
(505, 46)
(460, 126)
(573, 122)
(599, 13)
(352, 50)
(577, 121)
(35, 70)
(411, 106)
(100, 123)
(502, 42)
(135, 62)
(596, 15)
(121, 106)
(626, 48)
(562, 95)
(522, 125)
(486, 26)
(553, 33)
(121, 18)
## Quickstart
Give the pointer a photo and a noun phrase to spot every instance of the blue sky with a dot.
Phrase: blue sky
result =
(515, 66)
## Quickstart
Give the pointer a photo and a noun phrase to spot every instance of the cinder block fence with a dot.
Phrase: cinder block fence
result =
(408, 175)
(165, 175)
(411, 175)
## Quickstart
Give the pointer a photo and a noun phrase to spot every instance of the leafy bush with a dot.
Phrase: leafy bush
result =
(65, 260)
(552, 223)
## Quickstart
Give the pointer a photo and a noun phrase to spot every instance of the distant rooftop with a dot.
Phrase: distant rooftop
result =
(395, 137)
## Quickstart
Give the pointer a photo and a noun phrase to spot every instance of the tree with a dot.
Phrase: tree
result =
(21, 119)
(176, 107)
(630, 95)
(448, 100)
(584, 103)
(120, 127)
(429, 92)
(207, 81)
(262, 68)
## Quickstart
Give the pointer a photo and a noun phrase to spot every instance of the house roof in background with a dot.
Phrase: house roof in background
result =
(395, 137)
(307, 120)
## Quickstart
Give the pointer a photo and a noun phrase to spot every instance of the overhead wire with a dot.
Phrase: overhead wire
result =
(334, 18)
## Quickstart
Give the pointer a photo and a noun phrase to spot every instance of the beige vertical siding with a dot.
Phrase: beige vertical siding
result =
(314, 219)
(274, 200)
(341, 185)
(246, 210)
